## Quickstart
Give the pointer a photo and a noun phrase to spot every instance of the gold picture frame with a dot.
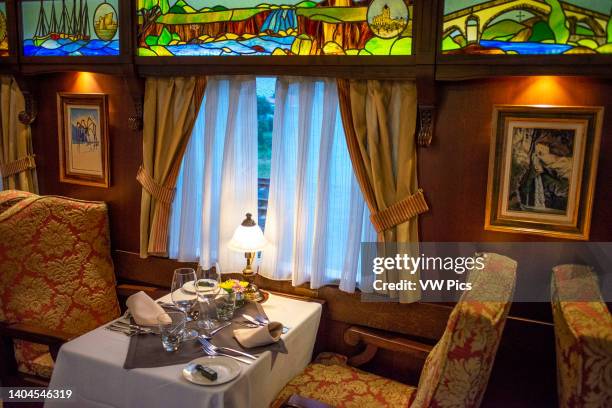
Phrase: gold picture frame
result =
(83, 138)
(542, 170)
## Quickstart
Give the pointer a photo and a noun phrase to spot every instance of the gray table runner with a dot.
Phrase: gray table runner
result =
(145, 351)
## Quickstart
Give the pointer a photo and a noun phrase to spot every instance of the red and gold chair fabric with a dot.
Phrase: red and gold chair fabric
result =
(583, 335)
(56, 271)
(9, 198)
(456, 371)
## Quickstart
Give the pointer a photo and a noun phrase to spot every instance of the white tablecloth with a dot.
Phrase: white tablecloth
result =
(92, 367)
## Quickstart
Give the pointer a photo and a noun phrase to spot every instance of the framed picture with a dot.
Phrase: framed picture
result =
(542, 170)
(83, 139)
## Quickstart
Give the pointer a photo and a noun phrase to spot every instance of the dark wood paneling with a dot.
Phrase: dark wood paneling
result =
(453, 172)
(123, 197)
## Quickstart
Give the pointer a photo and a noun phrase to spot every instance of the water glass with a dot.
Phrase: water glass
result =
(207, 287)
(184, 295)
(172, 328)
(225, 304)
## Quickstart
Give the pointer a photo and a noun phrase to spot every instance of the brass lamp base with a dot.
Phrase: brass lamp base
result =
(251, 292)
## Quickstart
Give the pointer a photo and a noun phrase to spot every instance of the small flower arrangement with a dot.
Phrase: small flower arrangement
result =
(234, 285)
(237, 287)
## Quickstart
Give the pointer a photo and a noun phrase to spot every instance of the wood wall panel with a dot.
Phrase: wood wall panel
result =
(123, 197)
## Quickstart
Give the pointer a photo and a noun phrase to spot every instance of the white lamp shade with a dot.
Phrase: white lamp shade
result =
(248, 239)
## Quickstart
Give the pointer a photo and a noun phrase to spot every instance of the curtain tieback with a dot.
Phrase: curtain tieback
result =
(17, 166)
(400, 212)
(162, 194)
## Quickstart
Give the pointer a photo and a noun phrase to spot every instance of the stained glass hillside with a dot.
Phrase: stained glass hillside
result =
(274, 27)
(527, 27)
(63, 28)
(3, 31)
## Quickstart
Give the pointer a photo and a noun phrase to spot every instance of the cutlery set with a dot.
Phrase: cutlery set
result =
(210, 349)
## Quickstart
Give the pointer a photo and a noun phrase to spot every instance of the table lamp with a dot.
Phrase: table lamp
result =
(249, 238)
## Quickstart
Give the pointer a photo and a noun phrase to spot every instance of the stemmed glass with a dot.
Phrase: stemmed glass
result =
(207, 288)
(184, 295)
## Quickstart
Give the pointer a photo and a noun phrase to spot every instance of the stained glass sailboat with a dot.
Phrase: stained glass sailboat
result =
(73, 26)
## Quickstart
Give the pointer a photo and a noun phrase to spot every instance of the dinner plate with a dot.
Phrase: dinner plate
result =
(189, 287)
(226, 368)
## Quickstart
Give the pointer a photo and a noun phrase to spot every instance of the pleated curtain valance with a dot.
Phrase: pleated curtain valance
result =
(170, 110)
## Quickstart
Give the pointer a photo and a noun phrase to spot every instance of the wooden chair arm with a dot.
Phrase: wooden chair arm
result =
(297, 401)
(375, 339)
(28, 332)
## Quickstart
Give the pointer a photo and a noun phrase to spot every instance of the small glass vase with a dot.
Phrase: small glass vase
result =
(225, 304)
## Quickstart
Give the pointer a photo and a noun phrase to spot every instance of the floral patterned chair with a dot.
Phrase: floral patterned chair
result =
(456, 371)
(56, 278)
(583, 333)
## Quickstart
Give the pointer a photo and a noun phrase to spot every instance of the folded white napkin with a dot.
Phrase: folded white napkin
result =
(144, 310)
(260, 336)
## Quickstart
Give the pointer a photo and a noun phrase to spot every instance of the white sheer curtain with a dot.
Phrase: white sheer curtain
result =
(217, 184)
(316, 216)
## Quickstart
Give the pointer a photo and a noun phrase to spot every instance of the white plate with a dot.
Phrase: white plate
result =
(226, 368)
(189, 287)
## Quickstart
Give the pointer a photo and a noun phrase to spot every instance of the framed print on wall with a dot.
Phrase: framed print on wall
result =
(542, 170)
(83, 139)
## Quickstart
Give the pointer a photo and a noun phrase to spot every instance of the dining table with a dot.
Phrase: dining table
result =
(91, 366)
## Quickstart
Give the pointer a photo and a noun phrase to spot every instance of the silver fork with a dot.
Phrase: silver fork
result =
(212, 352)
(211, 346)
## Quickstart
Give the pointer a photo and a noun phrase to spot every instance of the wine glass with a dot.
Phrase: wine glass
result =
(207, 288)
(184, 295)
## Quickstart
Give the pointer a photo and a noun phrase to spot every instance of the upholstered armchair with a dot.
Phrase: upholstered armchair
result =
(56, 279)
(583, 335)
(456, 370)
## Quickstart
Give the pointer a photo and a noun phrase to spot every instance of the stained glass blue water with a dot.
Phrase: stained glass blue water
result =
(527, 48)
(67, 48)
(264, 45)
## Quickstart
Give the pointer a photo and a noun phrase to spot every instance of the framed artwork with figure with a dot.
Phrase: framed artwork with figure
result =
(83, 139)
(542, 170)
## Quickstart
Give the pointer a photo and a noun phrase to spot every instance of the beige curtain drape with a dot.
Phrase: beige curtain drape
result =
(170, 110)
(17, 166)
(379, 119)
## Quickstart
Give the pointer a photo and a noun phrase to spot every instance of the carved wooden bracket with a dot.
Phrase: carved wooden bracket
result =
(135, 121)
(426, 117)
(28, 115)
(135, 86)
(426, 98)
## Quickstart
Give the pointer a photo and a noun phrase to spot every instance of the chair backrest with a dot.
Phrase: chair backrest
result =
(56, 270)
(457, 370)
(9, 198)
(583, 337)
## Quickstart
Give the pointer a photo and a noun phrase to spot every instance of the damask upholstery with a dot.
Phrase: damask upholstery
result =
(330, 380)
(456, 371)
(56, 271)
(583, 334)
(8, 198)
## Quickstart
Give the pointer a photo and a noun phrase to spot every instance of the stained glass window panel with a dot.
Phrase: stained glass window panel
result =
(66, 28)
(3, 31)
(527, 27)
(274, 27)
